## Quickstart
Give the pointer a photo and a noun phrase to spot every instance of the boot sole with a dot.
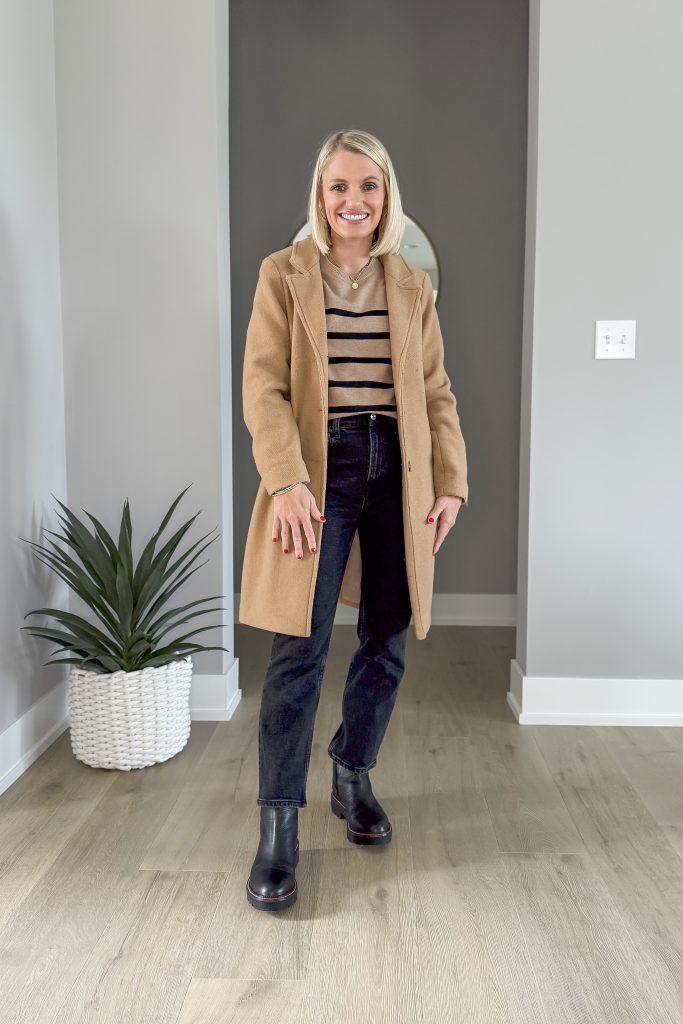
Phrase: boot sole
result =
(359, 838)
(274, 902)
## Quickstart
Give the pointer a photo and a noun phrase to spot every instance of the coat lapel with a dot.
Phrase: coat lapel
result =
(306, 285)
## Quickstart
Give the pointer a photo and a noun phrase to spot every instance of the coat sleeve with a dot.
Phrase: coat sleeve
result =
(267, 410)
(448, 445)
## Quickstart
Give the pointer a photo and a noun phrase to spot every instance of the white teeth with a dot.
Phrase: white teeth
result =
(353, 216)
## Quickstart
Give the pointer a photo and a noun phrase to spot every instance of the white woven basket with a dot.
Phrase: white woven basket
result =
(130, 720)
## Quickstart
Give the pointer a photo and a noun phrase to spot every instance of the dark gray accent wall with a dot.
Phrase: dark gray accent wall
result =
(444, 85)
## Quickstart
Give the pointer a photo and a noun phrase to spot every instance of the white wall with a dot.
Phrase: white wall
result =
(601, 549)
(142, 229)
(32, 451)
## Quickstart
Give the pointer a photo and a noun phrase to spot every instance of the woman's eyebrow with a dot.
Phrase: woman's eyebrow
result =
(370, 177)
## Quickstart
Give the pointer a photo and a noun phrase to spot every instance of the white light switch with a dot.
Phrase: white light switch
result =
(615, 339)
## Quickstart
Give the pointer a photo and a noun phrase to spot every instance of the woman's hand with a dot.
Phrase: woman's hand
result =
(445, 509)
(293, 510)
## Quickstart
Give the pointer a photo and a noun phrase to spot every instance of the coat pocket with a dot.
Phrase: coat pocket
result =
(437, 463)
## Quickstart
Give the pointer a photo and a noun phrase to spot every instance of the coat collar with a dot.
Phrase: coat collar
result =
(403, 285)
(306, 257)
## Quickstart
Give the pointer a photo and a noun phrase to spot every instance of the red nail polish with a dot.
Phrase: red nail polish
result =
(313, 550)
(322, 519)
(286, 551)
(431, 519)
(274, 539)
(299, 556)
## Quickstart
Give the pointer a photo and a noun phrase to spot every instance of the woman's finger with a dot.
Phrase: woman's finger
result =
(444, 524)
(284, 526)
(295, 525)
(308, 530)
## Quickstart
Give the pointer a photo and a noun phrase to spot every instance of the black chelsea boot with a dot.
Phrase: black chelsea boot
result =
(352, 798)
(271, 884)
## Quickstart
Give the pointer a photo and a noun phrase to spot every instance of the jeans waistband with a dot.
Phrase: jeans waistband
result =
(362, 422)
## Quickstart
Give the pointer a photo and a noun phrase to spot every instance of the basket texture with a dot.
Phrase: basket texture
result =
(130, 720)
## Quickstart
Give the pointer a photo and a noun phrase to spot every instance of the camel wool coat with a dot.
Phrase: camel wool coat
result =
(285, 408)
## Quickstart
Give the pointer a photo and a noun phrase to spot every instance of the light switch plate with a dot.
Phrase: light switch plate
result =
(615, 339)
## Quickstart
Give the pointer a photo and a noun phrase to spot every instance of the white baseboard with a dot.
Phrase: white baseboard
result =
(564, 700)
(24, 741)
(474, 610)
(213, 698)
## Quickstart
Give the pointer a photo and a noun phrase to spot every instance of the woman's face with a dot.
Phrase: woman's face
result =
(352, 184)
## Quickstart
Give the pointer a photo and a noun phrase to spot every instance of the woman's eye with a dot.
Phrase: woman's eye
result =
(370, 185)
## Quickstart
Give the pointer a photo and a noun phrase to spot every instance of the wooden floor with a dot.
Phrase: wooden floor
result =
(535, 872)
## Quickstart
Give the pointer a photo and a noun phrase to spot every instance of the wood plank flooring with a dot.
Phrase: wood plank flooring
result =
(535, 874)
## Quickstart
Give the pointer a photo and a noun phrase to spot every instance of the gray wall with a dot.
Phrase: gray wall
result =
(32, 450)
(445, 88)
(601, 550)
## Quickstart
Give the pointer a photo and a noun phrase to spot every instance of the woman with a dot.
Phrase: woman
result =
(357, 440)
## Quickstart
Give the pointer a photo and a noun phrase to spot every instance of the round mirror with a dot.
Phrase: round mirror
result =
(415, 246)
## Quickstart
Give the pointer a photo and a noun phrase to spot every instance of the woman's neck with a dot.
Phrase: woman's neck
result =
(350, 257)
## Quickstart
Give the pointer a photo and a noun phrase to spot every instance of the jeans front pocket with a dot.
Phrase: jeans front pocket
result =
(334, 433)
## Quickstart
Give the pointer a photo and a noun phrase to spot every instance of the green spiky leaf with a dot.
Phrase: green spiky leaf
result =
(126, 598)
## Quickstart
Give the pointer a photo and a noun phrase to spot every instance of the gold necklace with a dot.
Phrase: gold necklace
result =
(353, 280)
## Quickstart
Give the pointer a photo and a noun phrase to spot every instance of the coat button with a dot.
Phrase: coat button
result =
(373, 415)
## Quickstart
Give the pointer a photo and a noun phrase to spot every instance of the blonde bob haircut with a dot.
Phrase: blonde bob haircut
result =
(388, 234)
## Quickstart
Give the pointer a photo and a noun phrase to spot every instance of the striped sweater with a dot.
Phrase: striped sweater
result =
(358, 350)
(360, 374)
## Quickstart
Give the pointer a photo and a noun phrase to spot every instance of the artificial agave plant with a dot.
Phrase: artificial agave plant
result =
(127, 599)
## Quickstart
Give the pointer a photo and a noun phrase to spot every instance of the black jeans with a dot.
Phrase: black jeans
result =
(364, 491)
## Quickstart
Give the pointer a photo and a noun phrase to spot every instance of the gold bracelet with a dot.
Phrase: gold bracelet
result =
(289, 487)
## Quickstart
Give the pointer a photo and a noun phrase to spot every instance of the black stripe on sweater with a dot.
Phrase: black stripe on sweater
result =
(358, 384)
(357, 334)
(358, 359)
(361, 408)
(351, 312)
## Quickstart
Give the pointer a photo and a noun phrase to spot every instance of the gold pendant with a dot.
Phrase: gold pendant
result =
(354, 284)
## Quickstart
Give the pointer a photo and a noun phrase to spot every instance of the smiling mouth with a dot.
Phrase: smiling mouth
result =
(354, 216)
